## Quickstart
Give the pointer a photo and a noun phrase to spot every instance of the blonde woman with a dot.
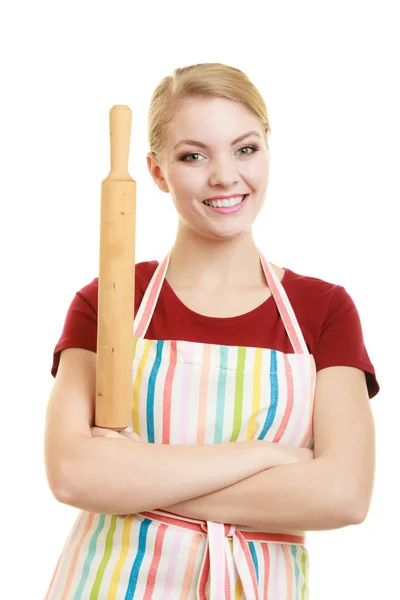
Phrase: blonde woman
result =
(251, 421)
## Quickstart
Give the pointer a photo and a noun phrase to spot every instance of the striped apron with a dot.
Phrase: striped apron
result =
(195, 393)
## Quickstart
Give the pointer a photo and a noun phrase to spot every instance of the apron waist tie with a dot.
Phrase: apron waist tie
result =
(215, 566)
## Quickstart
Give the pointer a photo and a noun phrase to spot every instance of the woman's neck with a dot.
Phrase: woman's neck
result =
(205, 263)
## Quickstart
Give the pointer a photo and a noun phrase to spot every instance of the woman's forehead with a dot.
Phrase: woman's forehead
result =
(212, 118)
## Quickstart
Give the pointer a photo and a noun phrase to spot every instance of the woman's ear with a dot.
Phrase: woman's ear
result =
(156, 173)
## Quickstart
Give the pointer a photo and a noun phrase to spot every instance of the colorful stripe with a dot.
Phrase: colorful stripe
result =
(107, 554)
(203, 394)
(256, 401)
(188, 577)
(89, 559)
(137, 387)
(116, 576)
(238, 412)
(166, 421)
(188, 353)
(274, 382)
(151, 391)
(221, 390)
(133, 578)
(289, 403)
(192, 393)
(157, 553)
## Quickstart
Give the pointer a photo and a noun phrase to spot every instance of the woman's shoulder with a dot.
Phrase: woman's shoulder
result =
(307, 286)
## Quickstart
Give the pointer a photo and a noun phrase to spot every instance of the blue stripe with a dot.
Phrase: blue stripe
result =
(296, 569)
(254, 557)
(219, 418)
(150, 393)
(133, 578)
(89, 558)
(274, 395)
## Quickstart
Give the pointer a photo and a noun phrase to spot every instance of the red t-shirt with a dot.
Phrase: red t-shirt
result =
(327, 316)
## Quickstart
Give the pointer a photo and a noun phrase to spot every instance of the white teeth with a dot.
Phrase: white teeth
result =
(226, 203)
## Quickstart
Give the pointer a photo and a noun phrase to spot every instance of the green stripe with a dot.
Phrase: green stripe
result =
(107, 553)
(303, 570)
(238, 412)
(135, 341)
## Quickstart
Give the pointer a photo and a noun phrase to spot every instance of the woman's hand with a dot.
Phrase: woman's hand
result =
(103, 432)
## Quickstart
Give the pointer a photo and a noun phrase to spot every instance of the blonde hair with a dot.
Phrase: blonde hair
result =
(212, 80)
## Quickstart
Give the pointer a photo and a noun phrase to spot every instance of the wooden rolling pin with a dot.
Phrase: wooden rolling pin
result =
(116, 281)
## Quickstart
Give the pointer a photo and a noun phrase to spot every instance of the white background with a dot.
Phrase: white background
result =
(329, 75)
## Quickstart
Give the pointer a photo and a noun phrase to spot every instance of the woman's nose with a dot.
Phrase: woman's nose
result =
(224, 173)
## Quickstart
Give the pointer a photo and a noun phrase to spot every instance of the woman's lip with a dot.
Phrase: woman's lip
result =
(229, 209)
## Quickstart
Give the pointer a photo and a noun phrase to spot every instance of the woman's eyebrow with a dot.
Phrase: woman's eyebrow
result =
(202, 145)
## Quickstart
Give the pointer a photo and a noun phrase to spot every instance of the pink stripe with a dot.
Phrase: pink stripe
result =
(249, 562)
(149, 308)
(188, 350)
(151, 579)
(205, 372)
(173, 562)
(267, 561)
(217, 557)
(276, 572)
(167, 395)
(290, 396)
(227, 582)
(283, 311)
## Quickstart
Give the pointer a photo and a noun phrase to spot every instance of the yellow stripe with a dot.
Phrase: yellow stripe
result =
(126, 534)
(238, 589)
(136, 388)
(251, 429)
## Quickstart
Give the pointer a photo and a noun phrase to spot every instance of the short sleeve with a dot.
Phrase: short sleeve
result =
(80, 325)
(341, 341)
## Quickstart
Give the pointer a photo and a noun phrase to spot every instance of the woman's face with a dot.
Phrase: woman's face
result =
(207, 169)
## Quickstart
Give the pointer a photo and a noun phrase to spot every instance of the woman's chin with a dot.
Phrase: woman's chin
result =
(225, 233)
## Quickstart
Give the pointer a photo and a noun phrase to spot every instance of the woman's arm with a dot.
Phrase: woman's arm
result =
(120, 476)
(332, 491)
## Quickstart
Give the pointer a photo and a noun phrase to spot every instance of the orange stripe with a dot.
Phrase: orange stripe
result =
(76, 556)
(187, 580)
(289, 572)
(267, 566)
(54, 576)
(151, 578)
(167, 395)
(68, 540)
(203, 394)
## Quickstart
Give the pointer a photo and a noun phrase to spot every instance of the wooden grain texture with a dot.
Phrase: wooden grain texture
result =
(116, 281)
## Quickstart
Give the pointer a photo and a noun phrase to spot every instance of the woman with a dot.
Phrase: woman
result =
(250, 417)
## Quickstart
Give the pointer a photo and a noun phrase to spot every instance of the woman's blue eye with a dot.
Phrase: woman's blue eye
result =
(186, 156)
